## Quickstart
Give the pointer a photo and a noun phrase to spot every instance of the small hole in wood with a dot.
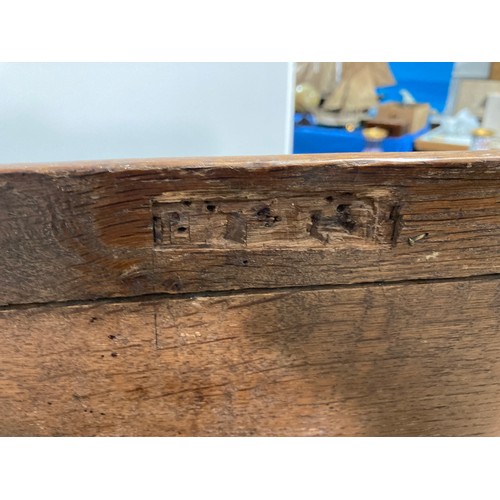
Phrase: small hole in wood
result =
(315, 218)
(329, 199)
(264, 212)
(211, 207)
(114, 354)
(245, 262)
(111, 337)
(342, 208)
(187, 203)
(182, 229)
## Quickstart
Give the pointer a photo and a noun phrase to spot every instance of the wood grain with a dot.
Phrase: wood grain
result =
(315, 295)
(381, 359)
(87, 231)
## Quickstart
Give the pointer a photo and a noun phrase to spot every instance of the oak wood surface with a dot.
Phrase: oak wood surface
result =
(74, 232)
(408, 359)
(302, 295)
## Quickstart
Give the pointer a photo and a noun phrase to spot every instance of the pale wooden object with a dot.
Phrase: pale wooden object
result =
(472, 95)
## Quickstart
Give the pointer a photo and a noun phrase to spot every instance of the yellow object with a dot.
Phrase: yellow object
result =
(483, 132)
(374, 133)
(481, 139)
(307, 98)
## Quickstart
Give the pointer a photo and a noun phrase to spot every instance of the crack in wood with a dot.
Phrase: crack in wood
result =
(241, 291)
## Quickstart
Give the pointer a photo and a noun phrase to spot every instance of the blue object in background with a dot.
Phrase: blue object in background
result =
(426, 81)
(317, 139)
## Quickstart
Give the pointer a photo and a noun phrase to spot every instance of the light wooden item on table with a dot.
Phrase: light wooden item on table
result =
(434, 140)
(472, 95)
(354, 94)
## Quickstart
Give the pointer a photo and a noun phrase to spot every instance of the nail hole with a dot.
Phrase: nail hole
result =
(49, 403)
(114, 354)
(211, 208)
(315, 218)
(111, 337)
(245, 262)
(264, 212)
(182, 229)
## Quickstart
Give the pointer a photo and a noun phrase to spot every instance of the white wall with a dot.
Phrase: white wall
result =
(79, 111)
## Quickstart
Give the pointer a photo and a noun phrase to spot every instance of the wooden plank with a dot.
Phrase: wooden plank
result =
(93, 230)
(405, 359)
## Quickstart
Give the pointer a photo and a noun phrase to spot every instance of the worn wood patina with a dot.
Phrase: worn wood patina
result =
(295, 295)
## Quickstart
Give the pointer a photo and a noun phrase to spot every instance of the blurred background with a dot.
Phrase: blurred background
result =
(396, 106)
(89, 111)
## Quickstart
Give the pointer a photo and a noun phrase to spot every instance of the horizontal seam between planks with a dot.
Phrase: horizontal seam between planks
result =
(242, 291)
